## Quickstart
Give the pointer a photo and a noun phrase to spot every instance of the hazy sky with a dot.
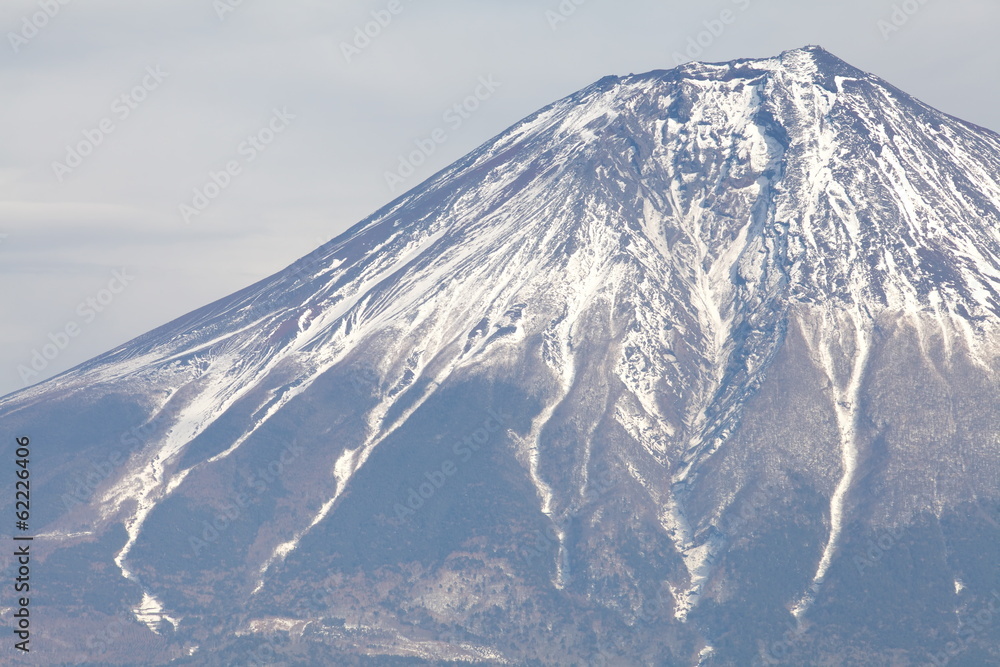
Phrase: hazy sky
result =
(114, 113)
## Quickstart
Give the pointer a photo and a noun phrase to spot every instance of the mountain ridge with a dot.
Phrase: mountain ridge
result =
(635, 273)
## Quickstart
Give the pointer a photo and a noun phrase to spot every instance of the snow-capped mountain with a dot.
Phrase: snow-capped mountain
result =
(696, 366)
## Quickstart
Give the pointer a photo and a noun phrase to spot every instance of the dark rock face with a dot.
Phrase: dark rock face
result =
(696, 367)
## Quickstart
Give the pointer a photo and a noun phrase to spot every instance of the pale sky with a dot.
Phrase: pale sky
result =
(153, 97)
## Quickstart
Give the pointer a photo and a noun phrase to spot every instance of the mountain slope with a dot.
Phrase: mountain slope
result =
(638, 379)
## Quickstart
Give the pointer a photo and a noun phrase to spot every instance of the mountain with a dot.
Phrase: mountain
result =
(692, 367)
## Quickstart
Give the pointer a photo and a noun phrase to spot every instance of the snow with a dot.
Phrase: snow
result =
(828, 344)
(151, 612)
(775, 201)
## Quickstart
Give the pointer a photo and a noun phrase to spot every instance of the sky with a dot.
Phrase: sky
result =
(157, 156)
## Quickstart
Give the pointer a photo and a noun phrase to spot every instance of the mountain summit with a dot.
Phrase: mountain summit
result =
(692, 367)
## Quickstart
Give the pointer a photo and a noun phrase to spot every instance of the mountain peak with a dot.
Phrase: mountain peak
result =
(813, 51)
(817, 61)
(805, 64)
